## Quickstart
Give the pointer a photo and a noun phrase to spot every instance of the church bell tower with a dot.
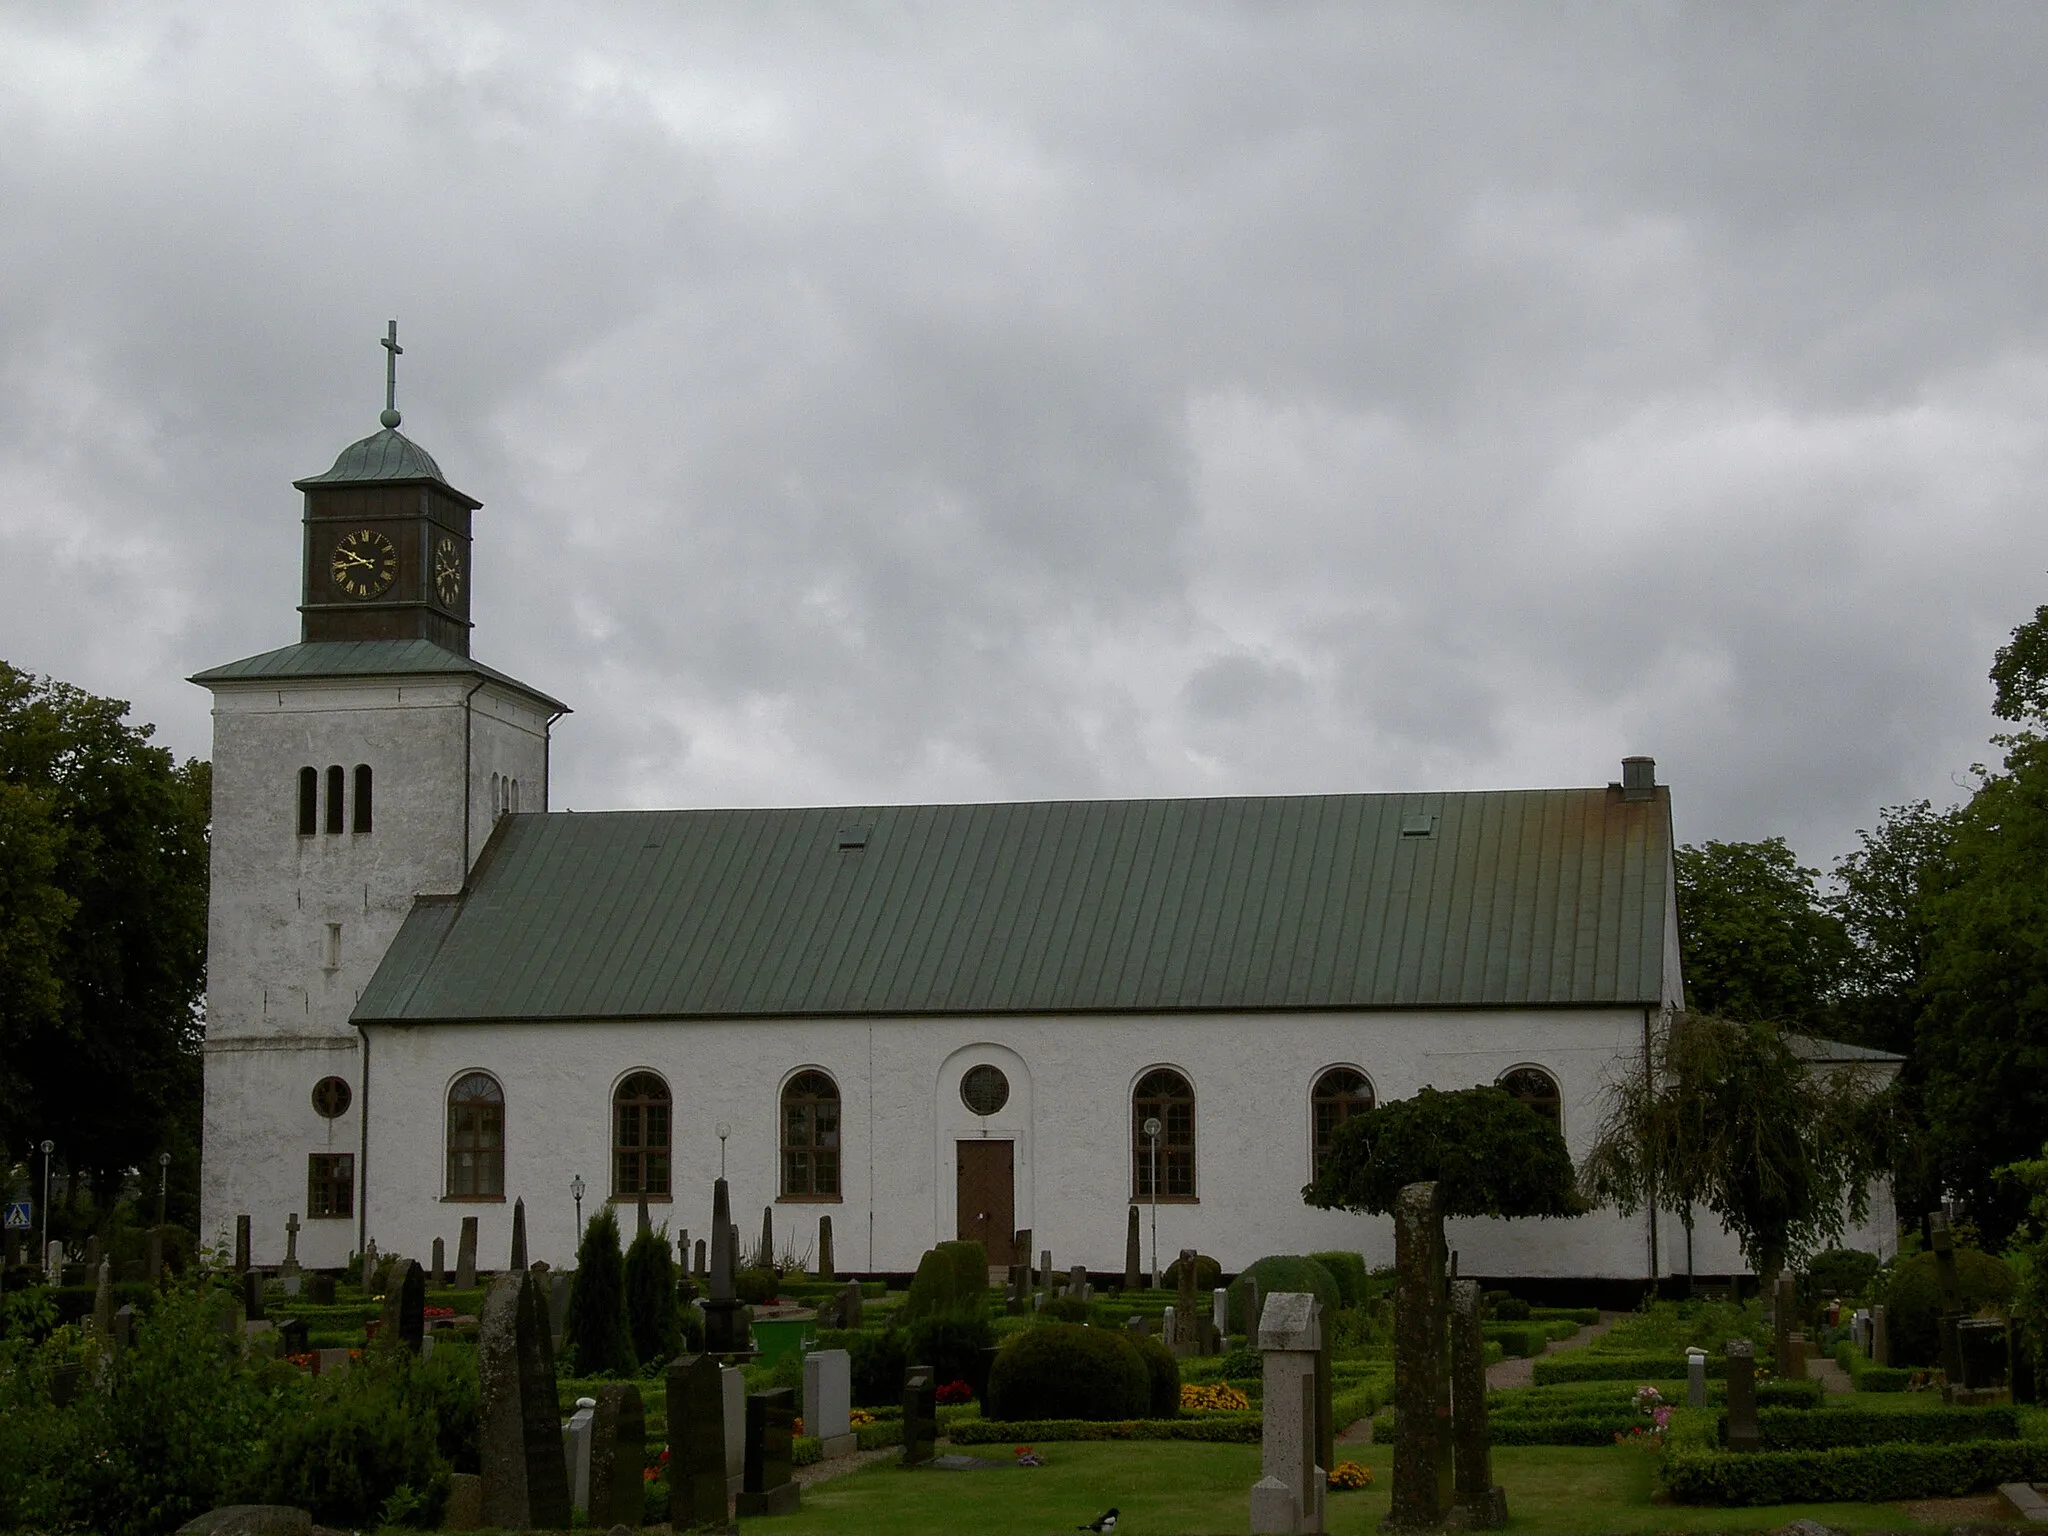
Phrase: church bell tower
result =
(353, 772)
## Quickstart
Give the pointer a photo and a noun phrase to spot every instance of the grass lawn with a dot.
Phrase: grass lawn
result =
(1197, 1490)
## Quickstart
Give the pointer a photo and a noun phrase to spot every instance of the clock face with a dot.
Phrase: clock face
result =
(448, 571)
(365, 563)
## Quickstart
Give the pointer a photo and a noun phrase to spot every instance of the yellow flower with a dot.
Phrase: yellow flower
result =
(1349, 1474)
(1218, 1397)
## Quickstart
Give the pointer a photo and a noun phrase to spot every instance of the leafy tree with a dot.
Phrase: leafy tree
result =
(651, 1313)
(599, 1341)
(103, 906)
(1882, 905)
(1488, 1153)
(1728, 1118)
(1757, 942)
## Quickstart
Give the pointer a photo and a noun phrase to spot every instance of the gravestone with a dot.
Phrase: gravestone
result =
(320, 1290)
(242, 1259)
(1784, 1322)
(850, 1305)
(1219, 1316)
(1044, 1280)
(828, 1401)
(1077, 1281)
(696, 1442)
(1289, 1494)
(732, 1385)
(525, 1483)
(1742, 1432)
(1880, 1337)
(1478, 1503)
(1017, 1289)
(92, 1254)
(152, 1256)
(252, 1295)
(1695, 1378)
(1169, 1328)
(827, 1268)
(618, 1457)
(1187, 1323)
(288, 1272)
(124, 1327)
(576, 1452)
(1134, 1274)
(330, 1362)
(464, 1510)
(372, 1262)
(559, 1287)
(465, 1256)
(1795, 1357)
(644, 1224)
(1140, 1324)
(1944, 1243)
(405, 1306)
(518, 1235)
(771, 1426)
(438, 1272)
(725, 1322)
(920, 1415)
(103, 1313)
(1422, 1459)
(1982, 1348)
(765, 1259)
(293, 1337)
(702, 1270)
(1020, 1250)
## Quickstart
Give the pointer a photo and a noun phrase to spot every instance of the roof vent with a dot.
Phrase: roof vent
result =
(1638, 777)
(852, 837)
(1418, 824)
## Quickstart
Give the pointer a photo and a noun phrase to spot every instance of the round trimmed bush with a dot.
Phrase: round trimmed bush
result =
(1913, 1300)
(950, 1343)
(1354, 1283)
(1281, 1272)
(1064, 1309)
(1839, 1274)
(755, 1285)
(1207, 1273)
(1163, 1372)
(1066, 1371)
(952, 1277)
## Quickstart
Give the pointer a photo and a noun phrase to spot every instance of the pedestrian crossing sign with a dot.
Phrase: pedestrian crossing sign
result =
(20, 1215)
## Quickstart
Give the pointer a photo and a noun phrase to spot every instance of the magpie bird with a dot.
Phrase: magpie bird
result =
(1105, 1524)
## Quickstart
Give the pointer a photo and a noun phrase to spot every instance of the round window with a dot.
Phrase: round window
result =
(984, 1090)
(331, 1097)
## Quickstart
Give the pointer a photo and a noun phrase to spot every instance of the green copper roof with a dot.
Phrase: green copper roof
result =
(381, 458)
(362, 658)
(1537, 897)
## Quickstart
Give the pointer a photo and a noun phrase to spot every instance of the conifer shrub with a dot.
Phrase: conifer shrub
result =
(1280, 1272)
(598, 1339)
(652, 1316)
(1065, 1371)
(1162, 1373)
(952, 1277)
(877, 1366)
(1913, 1300)
(367, 1451)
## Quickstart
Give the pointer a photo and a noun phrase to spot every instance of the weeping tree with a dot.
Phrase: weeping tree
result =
(1486, 1151)
(1726, 1117)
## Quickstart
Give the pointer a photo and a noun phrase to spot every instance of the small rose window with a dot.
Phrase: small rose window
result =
(984, 1089)
(331, 1097)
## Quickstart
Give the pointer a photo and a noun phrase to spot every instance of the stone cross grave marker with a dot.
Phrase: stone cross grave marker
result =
(525, 1481)
(618, 1455)
(828, 1401)
(696, 1442)
(920, 1415)
(827, 1267)
(1478, 1503)
(518, 1234)
(1289, 1494)
(1134, 1274)
(465, 1256)
(1742, 1432)
(438, 1271)
(1944, 1243)
(242, 1259)
(766, 1488)
(289, 1270)
(1422, 1460)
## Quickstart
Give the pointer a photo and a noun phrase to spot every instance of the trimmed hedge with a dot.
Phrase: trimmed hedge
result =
(1585, 1317)
(1586, 1365)
(1065, 1371)
(1230, 1428)
(1208, 1275)
(1354, 1280)
(1517, 1340)
(1868, 1377)
(1789, 1429)
(1282, 1272)
(1163, 1372)
(1852, 1474)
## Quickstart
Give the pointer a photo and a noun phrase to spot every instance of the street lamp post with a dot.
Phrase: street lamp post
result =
(163, 1183)
(48, 1148)
(1152, 1131)
(576, 1188)
(724, 1131)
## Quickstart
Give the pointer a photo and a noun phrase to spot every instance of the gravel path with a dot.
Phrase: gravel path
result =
(1503, 1374)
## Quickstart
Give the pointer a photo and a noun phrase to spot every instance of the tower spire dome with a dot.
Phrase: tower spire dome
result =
(389, 342)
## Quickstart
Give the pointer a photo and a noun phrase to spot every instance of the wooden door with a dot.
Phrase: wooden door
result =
(987, 1190)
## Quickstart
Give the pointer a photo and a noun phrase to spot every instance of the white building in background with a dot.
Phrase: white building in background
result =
(429, 995)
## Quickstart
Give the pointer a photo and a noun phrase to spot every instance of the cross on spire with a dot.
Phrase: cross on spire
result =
(389, 342)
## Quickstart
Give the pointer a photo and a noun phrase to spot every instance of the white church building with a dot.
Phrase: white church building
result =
(429, 995)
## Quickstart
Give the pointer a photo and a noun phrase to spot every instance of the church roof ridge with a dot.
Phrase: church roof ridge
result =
(312, 659)
(1532, 898)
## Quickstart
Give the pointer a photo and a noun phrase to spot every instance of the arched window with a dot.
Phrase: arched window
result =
(309, 801)
(810, 1136)
(640, 1136)
(362, 806)
(476, 1138)
(1163, 1095)
(515, 797)
(1537, 1089)
(336, 779)
(1340, 1093)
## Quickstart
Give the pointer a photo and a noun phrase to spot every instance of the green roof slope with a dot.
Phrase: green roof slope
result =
(1537, 897)
(362, 658)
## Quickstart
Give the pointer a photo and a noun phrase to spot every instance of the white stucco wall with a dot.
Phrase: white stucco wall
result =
(296, 925)
(1068, 1115)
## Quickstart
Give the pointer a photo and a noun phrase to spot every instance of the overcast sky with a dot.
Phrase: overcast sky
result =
(964, 402)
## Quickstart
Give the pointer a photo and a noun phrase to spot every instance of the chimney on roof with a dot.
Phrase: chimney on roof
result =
(1638, 777)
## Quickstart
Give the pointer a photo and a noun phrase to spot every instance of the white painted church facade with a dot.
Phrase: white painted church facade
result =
(429, 995)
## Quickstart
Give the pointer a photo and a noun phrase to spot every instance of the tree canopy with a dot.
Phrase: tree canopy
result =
(1728, 1118)
(102, 933)
(1758, 942)
(1487, 1152)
